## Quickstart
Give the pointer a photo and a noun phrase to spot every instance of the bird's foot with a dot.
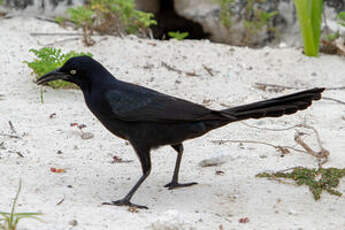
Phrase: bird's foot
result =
(174, 185)
(124, 202)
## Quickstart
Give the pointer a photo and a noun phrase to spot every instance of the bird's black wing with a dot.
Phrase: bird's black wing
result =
(130, 102)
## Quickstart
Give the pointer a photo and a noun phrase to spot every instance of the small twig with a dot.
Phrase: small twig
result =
(12, 127)
(322, 155)
(278, 147)
(333, 99)
(9, 135)
(263, 86)
(56, 34)
(60, 41)
(20, 154)
(336, 88)
(284, 129)
(170, 68)
(209, 70)
(61, 201)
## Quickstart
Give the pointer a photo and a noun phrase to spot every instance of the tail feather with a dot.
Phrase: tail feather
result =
(275, 107)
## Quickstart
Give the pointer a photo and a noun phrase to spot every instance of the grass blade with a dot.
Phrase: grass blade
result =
(309, 13)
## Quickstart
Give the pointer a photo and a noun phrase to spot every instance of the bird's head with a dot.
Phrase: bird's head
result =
(79, 70)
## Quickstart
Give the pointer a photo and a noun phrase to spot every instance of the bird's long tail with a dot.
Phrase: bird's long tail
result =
(275, 107)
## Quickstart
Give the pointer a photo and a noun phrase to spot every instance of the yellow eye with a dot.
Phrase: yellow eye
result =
(73, 72)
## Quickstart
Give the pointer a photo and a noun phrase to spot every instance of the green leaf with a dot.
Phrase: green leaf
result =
(178, 35)
(309, 13)
(49, 59)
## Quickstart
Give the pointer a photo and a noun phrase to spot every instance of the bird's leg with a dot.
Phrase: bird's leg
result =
(145, 160)
(174, 182)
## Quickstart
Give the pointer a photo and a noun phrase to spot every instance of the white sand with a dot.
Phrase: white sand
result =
(217, 200)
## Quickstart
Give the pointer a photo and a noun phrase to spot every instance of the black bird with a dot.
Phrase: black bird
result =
(149, 119)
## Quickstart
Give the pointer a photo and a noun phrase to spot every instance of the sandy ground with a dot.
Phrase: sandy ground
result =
(91, 178)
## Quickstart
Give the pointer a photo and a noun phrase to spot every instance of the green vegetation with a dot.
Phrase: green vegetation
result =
(110, 17)
(309, 13)
(225, 13)
(341, 18)
(178, 35)
(318, 180)
(49, 59)
(60, 20)
(332, 36)
(10, 220)
(256, 19)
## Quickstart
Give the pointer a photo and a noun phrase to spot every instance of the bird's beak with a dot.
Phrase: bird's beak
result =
(52, 76)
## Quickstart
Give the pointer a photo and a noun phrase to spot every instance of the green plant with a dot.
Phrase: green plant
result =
(109, 17)
(225, 13)
(332, 36)
(318, 180)
(82, 17)
(60, 20)
(341, 18)
(309, 13)
(49, 59)
(178, 35)
(10, 220)
(256, 19)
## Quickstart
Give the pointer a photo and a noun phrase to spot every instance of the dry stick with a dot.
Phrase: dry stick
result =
(56, 34)
(209, 70)
(170, 68)
(12, 127)
(60, 41)
(10, 135)
(13, 131)
(333, 99)
(282, 149)
(322, 154)
(61, 201)
(336, 88)
(264, 85)
(284, 129)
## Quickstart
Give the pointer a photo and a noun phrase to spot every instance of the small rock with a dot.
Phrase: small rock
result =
(86, 136)
(292, 212)
(73, 223)
(214, 161)
(282, 45)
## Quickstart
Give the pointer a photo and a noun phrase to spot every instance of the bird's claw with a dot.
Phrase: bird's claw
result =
(124, 202)
(175, 185)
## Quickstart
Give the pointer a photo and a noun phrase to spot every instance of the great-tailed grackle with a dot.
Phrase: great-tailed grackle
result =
(149, 119)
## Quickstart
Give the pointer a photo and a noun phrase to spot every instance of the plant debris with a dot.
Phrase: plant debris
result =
(83, 135)
(53, 115)
(117, 159)
(133, 209)
(243, 220)
(220, 172)
(57, 170)
(318, 180)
